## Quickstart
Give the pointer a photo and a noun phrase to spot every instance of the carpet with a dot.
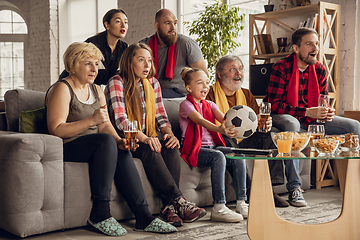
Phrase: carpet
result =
(312, 214)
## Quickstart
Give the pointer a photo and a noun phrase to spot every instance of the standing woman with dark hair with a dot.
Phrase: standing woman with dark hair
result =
(109, 42)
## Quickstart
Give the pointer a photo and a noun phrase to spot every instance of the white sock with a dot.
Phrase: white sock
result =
(218, 206)
(239, 202)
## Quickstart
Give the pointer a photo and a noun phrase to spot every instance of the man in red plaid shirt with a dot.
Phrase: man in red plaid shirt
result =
(295, 84)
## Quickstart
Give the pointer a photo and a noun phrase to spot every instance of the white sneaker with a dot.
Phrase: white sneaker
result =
(243, 208)
(225, 215)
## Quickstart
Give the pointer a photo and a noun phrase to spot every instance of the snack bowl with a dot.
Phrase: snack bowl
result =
(341, 138)
(326, 146)
(351, 143)
(299, 142)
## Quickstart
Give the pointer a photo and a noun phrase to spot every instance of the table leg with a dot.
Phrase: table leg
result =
(264, 223)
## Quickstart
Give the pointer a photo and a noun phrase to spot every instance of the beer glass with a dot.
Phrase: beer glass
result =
(323, 101)
(317, 132)
(265, 110)
(130, 132)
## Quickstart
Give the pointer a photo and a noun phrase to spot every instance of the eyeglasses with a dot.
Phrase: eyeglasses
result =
(235, 70)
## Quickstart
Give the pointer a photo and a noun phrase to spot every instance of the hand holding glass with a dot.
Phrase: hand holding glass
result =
(323, 101)
(130, 132)
(265, 110)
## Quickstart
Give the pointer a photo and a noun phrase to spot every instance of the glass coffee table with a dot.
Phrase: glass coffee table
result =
(263, 221)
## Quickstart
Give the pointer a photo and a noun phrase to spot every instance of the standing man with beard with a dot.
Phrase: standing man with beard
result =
(171, 53)
(295, 84)
(226, 93)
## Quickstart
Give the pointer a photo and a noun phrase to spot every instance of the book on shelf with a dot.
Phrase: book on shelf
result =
(257, 44)
(264, 43)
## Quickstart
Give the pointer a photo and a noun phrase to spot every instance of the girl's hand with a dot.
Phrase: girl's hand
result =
(121, 144)
(172, 142)
(228, 130)
(100, 115)
(154, 144)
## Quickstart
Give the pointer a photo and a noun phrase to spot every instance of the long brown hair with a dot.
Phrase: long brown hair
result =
(131, 89)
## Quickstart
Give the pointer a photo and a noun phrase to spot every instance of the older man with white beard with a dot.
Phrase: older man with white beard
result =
(226, 93)
(171, 53)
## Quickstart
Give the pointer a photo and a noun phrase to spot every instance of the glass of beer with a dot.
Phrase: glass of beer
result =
(323, 101)
(130, 132)
(317, 132)
(265, 110)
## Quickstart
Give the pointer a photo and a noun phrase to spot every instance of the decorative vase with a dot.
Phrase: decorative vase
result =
(269, 7)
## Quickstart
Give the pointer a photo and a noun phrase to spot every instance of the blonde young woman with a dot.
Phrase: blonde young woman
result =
(135, 94)
(77, 112)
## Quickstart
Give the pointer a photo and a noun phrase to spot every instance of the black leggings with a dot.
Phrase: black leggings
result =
(107, 163)
(162, 169)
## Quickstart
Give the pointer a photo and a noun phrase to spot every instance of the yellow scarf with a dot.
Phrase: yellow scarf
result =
(222, 102)
(150, 104)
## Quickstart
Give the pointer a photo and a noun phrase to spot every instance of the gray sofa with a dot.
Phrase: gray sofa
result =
(40, 193)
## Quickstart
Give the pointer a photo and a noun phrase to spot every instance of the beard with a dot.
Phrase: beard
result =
(231, 84)
(307, 59)
(169, 40)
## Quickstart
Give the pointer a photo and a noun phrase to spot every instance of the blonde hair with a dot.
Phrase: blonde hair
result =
(78, 52)
(185, 74)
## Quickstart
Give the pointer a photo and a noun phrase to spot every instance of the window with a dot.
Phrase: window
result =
(13, 31)
(192, 8)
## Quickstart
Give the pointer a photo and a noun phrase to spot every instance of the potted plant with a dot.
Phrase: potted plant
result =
(269, 7)
(216, 30)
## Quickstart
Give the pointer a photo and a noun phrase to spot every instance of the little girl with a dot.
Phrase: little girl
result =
(204, 146)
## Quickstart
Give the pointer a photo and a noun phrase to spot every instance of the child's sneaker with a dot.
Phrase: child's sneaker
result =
(243, 208)
(225, 215)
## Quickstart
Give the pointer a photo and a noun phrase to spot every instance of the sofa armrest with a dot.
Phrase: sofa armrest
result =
(31, 183)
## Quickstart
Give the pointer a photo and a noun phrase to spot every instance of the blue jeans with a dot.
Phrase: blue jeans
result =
(292, 174)
(214, 157)
(339, 125)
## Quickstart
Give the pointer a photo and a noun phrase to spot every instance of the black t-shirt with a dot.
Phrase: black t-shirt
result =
(110, 64)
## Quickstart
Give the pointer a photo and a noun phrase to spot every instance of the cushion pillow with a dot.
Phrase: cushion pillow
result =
(33, 121)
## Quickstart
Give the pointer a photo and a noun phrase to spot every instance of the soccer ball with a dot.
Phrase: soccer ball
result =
(244, 119)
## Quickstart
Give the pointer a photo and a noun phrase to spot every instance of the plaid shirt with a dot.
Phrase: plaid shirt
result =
(114, 93)
(278, 87)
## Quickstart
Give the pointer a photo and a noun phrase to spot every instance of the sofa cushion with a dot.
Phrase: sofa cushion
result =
(33, 121)
(19, 100)
(172, 109)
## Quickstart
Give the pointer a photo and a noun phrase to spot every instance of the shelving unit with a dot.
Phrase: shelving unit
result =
(328, 53)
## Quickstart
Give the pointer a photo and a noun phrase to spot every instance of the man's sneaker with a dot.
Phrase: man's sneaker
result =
(225, 215)
(296, 198)
(188, 211)
(243, 208)
(168, 214)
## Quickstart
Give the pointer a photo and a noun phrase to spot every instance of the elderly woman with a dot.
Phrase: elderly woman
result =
(109, 42)
(77, 112)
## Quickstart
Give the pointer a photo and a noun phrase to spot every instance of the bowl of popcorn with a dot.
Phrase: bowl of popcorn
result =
(351, 142)
(326, 146)
(299, 142)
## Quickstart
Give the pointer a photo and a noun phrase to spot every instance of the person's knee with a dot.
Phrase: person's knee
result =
(106, 140)
(219, 158)
(286, 122)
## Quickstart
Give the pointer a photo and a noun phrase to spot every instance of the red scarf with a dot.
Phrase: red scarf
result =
(193, 135)
(292, 96)
(171, 59)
